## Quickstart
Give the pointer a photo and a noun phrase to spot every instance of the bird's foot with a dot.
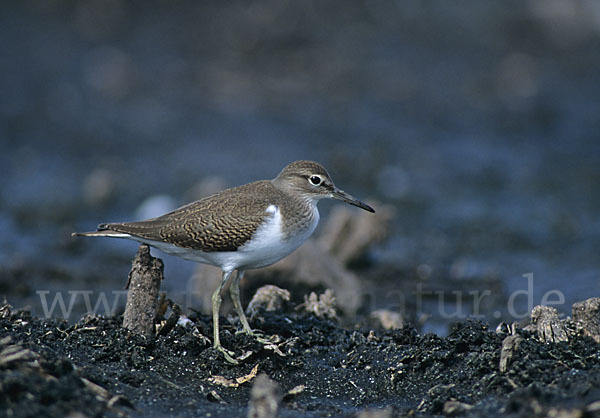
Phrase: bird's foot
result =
(227, 354)
(260, 336)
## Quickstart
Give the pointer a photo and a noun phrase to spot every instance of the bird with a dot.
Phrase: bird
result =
(240, 228)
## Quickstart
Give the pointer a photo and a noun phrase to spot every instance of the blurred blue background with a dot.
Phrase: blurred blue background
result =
(478, 122)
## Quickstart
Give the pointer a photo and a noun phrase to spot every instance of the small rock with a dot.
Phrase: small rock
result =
(376, 413)
(594, 407)
(510, 346)
(587, 316)
(548, 325)
(322, 306)
(269, 298)
(265, 397)
(388, 319)
(564, 413)
(456, 408)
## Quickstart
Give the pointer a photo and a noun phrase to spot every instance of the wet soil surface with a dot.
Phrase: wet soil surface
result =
(95, 367)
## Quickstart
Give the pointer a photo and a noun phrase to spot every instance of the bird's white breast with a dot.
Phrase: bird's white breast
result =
(270, 244)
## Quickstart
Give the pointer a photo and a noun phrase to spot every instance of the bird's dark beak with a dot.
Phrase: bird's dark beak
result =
(345, 197)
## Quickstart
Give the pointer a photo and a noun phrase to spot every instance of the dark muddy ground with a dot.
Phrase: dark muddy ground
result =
(95, 367)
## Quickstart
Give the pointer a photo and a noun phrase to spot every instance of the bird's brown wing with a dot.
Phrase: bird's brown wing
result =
(221, 222)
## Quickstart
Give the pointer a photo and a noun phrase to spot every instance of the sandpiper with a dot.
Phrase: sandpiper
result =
(242, 228)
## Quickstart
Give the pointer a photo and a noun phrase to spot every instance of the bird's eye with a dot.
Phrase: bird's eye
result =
(315, 180)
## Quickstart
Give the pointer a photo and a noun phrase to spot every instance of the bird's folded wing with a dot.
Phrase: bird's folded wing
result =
(207, 225)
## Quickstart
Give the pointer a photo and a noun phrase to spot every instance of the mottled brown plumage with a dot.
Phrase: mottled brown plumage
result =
(221, 222)
(249, 226)
(227, 220)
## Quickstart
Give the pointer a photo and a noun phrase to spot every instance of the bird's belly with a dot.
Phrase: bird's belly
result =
(256, 255)
(213, 258)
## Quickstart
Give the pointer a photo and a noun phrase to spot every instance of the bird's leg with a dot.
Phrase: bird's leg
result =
(234, 290)
(216, 306)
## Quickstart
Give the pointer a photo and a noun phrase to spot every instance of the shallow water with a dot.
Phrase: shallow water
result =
(478, 124)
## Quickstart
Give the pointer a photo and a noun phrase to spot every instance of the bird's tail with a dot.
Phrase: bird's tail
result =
(101, 233)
